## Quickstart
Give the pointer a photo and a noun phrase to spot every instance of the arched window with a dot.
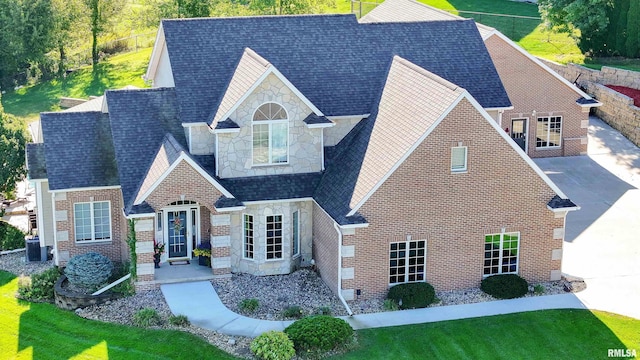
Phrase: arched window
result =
(270, 135)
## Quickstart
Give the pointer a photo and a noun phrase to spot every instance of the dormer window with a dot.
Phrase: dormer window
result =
(270, 135)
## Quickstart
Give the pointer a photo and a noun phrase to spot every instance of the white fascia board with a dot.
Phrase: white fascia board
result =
(39, 180)
(226, 131)
(137, 216)
(155, 55)
(261, 202)
(598, 104)
(542, 65)
(231, 209)
(320, 126)
(271, 70)
(91, 188)
(574, 208)
(194, 124)
(491, 32)
(408, 153)
(196, 167)
(515, 147)
(354, 226)
(500, 108)
(336, 223)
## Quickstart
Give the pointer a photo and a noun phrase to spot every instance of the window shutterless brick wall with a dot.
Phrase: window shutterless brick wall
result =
(532, 88)
(64, 219)
(325, 247)
(453, 212)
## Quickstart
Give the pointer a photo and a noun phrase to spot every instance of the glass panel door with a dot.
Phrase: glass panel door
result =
(177, 228)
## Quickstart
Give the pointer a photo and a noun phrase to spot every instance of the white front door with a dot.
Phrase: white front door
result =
(181, 226)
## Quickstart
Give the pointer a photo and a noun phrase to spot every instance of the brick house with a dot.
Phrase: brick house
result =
(550, 115)
(370, 155)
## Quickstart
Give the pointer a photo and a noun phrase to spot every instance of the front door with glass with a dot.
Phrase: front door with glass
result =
(177, 234)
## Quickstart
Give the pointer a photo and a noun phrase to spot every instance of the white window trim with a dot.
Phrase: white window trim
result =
(281, 238)
(270, 123)
(244, 237)
(406, 265)
(466, 155)
(548, 117)
(502, 233)
(294, 240)
(93, 230)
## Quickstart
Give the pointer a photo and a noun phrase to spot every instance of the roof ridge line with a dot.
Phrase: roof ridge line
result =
(451, 86)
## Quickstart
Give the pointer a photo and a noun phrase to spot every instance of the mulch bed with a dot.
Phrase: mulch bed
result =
(632, 93)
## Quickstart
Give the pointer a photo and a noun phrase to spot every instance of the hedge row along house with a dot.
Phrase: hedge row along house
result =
(373, 152)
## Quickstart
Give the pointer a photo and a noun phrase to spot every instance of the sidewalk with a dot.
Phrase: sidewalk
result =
(200, 303)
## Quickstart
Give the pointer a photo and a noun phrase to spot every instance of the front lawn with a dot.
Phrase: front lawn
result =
(550, 334)
(42, 331)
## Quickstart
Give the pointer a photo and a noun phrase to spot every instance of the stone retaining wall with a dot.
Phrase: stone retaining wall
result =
(70, 301)
(617, 109)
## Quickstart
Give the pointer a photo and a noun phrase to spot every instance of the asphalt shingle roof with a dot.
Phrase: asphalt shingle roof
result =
(272, 187)
(315, 119)
(36, 163)
(167, 154)
(140, 121)
(411, 102)
(559, 203)
(338, 64)
(74, 165)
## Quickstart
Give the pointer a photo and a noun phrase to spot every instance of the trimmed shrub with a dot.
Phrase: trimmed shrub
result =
(40, 287)
(324, 310)
(412, 295)
(249, 305)
(319, 333)
(179, 320)
(294, 312)
(89, 270)
(272, 345)
(538, 289)
(507, 286)
(11, 237)
(390, 305)
(146, 317)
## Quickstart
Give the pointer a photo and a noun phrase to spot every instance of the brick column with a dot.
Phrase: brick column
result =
(221, 245)
(145, 233)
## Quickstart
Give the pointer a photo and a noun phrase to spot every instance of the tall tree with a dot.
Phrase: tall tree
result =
(11, 45)
(618, 26)
(193, 8)
(632, 45)
(69, 27)
(12, 159)
(101, 13)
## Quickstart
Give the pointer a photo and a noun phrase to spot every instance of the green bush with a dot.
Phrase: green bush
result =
(249, 305)
(319, 333)
(390, 305)
(412, 295)
(40, 286)
(324, 310)
(538, 289)
(294, 312)
(507, 286)
(146, 317)
(89, 271)
(179, 320)
(273, 345)
(11, 237)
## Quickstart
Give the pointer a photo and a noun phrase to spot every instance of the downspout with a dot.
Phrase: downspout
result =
(335, 225)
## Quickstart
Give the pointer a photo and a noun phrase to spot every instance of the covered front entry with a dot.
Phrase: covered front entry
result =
(181, 229)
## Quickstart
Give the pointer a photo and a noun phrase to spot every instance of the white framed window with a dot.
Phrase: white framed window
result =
(270, 135)
(407, 261)
(295, 245)
(501, 253)
(247, 230)
(92, 221)
(548, 132)
(458, 159)
(274, 237)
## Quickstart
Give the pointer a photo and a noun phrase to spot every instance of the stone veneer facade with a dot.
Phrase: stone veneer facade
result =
(305, 145)
(201, 140)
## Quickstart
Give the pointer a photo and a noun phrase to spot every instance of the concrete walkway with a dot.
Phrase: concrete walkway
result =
(200, 303)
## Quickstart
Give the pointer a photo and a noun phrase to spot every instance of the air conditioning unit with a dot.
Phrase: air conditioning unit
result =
(34, 253)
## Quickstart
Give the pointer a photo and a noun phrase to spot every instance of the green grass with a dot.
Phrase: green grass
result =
(116, 72)
(551, 334)
(42, 331)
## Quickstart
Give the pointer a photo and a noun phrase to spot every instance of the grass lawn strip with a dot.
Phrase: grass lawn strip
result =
(42, 331)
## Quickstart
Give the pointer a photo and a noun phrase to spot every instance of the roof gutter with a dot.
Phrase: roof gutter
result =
(335, 226)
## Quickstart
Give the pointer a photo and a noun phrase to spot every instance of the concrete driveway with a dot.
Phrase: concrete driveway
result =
(602, 240)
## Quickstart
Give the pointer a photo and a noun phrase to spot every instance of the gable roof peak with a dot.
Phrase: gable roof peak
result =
(399, 61)
(255, 56)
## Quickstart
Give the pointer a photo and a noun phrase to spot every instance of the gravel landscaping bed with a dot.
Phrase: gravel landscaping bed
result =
(303, 288)
(17, 264)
